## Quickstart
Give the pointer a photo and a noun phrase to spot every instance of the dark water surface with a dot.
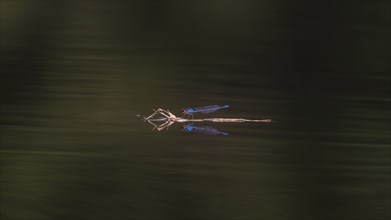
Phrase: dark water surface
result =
(75, 73)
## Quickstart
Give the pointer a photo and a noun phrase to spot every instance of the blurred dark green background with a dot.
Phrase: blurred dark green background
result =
(75, 73)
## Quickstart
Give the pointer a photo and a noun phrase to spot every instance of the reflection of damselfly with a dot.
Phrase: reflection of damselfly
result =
(166, 118)
(206, 130)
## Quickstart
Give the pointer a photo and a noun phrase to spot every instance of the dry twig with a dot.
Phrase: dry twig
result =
(167, 119)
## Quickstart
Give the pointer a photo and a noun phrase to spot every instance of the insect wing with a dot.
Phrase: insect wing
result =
(207, 109)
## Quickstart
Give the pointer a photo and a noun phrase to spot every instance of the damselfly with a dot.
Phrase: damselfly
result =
(204, 109)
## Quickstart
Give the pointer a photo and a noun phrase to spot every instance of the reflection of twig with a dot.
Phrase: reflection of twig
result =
(168, 119)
